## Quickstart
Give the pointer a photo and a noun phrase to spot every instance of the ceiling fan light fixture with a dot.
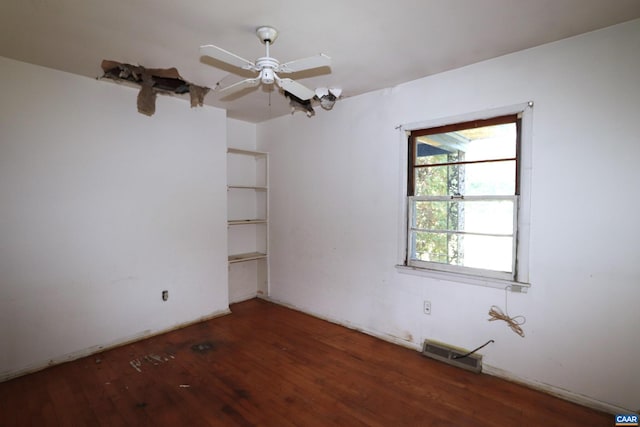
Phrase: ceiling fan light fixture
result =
(328, 97)
(336, 92)
(322, 91)
(327, 102)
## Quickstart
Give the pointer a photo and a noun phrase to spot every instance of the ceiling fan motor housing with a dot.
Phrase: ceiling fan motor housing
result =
(267, 76)
(267, 67)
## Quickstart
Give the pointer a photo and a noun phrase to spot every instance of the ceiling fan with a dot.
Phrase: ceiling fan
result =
(268, 67)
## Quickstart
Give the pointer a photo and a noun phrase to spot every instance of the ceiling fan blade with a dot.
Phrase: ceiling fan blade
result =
(243, 84)
(226, 57)
(300, 91)
(309, 63)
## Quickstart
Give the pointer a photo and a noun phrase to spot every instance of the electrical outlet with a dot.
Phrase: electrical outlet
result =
(427, 307)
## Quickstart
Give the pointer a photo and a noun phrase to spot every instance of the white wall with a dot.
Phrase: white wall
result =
(336, 181)
(102, 208)
(241, 134)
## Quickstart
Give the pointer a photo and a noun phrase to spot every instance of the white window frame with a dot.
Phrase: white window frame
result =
(521, 215)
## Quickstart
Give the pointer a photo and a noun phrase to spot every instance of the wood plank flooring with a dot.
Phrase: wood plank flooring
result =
(268, 365)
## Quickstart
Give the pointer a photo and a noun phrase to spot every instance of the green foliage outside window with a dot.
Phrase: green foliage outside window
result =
(440, 181)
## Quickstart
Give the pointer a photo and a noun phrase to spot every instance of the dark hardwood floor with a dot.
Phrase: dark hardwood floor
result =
(268, 365)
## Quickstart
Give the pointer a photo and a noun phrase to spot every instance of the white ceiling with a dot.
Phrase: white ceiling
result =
(373, 44)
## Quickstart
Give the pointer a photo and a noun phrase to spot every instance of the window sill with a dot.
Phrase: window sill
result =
(464, 278)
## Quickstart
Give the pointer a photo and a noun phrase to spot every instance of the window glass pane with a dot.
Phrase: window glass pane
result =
(488, 252)
(428, 154)
(495, 178)
(434, 181)
(434, 247)
(490, 179)
(477, 216)
(485, 143)
(485, 252)
(428, 215)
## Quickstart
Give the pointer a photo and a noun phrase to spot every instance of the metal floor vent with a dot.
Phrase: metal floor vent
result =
(452, 355)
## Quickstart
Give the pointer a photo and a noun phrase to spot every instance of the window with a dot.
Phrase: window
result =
(463, 195)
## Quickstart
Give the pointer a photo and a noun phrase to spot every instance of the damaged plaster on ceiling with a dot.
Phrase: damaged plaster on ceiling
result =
(167, 81)
(153, 81)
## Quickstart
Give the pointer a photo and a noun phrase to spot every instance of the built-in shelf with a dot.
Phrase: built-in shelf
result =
(246, 257)
(246, 221)
(248, 187)
(247, 152)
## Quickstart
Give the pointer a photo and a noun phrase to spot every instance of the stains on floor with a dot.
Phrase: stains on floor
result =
(150, 359)
(155, 359)
(203, 347)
